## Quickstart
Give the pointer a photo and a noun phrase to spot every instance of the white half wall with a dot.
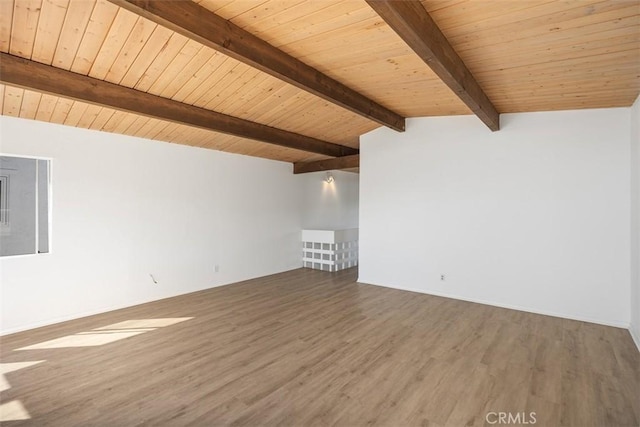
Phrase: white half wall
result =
(534, 217)
(125, 208)
(635, 222)
(330, 206)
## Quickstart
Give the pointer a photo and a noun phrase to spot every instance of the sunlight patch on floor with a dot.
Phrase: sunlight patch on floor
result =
(5, 368)
(85, 339)
(107, 334)
(145, 323)
(4, 384)
(13, 411)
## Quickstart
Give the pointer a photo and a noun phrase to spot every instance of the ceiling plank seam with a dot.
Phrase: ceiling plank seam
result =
(32, 75)
(198, 23)
(410, 20)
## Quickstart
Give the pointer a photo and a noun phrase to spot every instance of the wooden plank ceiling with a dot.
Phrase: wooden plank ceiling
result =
(526, 55)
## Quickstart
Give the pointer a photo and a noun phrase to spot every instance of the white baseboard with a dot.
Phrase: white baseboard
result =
(62, 319)
(80, 315)
(635, 337)
(615, 324)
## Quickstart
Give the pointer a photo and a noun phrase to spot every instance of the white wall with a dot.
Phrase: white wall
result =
(329, 205)
(635, 222)
(535, 216)
(125, 207)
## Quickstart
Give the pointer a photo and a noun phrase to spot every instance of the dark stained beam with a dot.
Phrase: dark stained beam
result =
(198, 23)
(21, 72)
(346, 162)
(410, 20)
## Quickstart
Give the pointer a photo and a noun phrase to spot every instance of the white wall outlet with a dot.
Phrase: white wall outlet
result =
(442, 277)
(216, 268)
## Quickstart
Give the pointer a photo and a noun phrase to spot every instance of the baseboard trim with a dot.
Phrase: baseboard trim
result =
(614, 324)
(634, 337)
(75, 316)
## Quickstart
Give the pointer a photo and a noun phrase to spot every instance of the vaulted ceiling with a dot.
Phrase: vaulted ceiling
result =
(361, 70)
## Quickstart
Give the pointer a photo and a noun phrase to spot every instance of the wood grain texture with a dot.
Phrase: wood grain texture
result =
(197, 23)
(339, 163)
(314, 348)
(527, 55)
(415, 26)
(32, 75)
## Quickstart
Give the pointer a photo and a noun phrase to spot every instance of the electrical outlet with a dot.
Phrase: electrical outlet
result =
(442, 277)
(216, 268)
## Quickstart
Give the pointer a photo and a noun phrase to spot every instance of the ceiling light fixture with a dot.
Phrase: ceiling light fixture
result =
(329, 179)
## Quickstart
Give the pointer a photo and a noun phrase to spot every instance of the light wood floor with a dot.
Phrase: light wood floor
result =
(314, 348)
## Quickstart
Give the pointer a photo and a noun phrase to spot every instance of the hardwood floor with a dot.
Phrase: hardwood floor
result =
(314, 348)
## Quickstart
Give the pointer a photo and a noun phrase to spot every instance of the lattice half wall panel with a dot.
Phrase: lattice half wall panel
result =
(330, 250)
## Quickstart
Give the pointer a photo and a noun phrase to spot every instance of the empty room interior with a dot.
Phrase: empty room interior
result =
(320, 212)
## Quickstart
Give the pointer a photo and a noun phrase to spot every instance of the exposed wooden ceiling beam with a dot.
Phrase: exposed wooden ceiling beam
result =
(410, 20)
(198, 23)
(338, 163)
(28, 74)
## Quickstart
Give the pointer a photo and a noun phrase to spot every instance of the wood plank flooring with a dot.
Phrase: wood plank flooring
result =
(315, 348)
